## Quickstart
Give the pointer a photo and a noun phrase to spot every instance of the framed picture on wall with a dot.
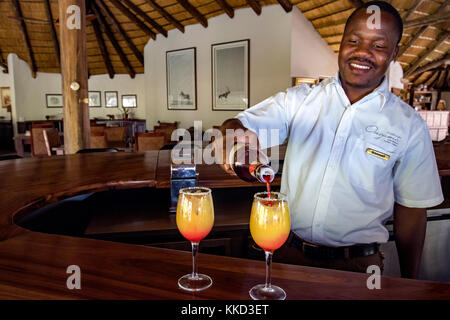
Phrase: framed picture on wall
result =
(181, 66)
(129, 101)
(6, 97)
(230, 75)
(95, 99)
(111, 99)
(54, 100)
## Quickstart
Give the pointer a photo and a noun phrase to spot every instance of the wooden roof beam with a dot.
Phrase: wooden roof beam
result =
(194, 12)
(441, 82)
(318, 7)
(116, 24)
(132, 17)
(102, 46)
(428, 20)
(356, 3)
(48, 13)
(432, 65)
(412, 9)
(441, 40)
(23, 27)
(255, 6)
(432, 83)
(421, 31)
(411, 42)
(287, 6)
(116, 46)
(226, 7)
(166, 15)
(143, 15)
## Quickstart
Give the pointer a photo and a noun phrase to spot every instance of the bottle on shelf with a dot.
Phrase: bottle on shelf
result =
(248, 164)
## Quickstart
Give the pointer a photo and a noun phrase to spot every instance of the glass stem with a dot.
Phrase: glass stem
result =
(194, 255)
(268, 269)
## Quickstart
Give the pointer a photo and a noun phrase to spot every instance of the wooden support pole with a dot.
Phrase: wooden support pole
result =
(72, 30)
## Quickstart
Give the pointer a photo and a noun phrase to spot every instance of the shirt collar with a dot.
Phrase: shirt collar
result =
(382, 89)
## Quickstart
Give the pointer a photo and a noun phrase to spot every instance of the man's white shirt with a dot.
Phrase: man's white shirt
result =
(347, 164)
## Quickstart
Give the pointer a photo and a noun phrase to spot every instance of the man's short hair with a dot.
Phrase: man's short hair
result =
(386, 7)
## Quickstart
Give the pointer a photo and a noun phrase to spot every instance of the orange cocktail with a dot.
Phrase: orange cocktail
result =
(270, 223)
(195, 216)
(195, 219)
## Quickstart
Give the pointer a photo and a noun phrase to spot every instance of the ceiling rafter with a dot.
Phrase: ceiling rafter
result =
(319, 7)
(287, 6)
(194, 12)
(332, 14)
(48, 13)
(255, 6)
(166, 15)
(132, 17)
(441, 82)
(412, 9)
(226, 7)
(443, 37)
(432, 65)
(421, 31)
(115, 23)
(428, 20)
(23, 28)
(432, 82)
(143, 15)
(113, 41)
(102, 46)
(356, 3)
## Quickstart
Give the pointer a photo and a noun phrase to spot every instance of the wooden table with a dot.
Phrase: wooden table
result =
(33, 265)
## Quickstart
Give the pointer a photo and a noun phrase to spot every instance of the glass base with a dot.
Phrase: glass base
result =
(261, 292)
(198, 282)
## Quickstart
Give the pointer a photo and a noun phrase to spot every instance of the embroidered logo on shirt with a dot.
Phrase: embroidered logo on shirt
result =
(387, 137)
(378, 154)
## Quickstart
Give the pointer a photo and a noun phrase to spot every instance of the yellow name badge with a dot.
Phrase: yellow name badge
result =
(378, 154)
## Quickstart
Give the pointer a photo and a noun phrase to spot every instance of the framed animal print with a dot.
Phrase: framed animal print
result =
(181, 74)
(230, 75)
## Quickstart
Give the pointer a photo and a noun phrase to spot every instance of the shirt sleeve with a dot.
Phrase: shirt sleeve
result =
(416, 177)
(271, 118)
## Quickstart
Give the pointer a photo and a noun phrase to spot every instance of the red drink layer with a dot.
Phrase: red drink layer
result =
(267, 180)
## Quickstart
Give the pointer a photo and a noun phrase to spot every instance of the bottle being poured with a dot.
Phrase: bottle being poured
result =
(251, 165)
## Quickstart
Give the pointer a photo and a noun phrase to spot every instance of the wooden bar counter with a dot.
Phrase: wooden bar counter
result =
(33, 265)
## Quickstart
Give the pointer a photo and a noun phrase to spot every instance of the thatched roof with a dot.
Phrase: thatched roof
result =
(117, 34)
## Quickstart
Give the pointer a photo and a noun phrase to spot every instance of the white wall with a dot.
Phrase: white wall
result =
(310, 54)
(30, 101)
(270, 38)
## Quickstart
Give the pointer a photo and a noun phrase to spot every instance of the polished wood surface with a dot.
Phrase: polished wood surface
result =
(33, 265)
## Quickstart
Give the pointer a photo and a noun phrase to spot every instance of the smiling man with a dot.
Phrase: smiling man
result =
(356, 156)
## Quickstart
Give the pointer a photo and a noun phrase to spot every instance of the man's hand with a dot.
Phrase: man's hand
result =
(232, 132)
(409, 230)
